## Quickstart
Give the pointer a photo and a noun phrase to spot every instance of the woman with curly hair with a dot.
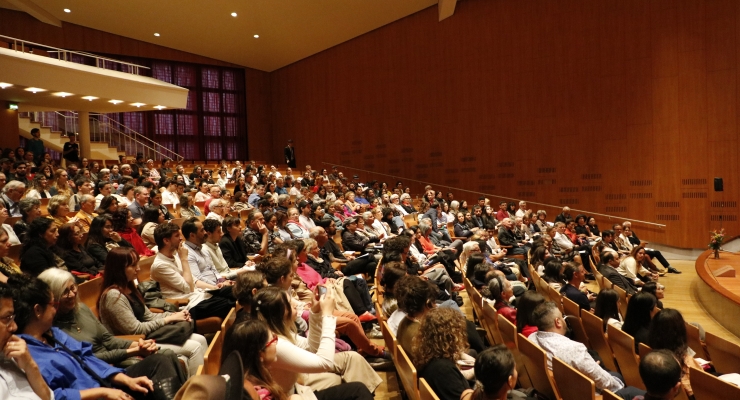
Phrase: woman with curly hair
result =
(438, 346)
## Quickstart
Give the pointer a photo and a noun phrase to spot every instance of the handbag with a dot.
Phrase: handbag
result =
(153, 296)
(176, 333)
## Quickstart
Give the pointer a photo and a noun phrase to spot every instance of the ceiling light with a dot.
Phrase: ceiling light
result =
(233, 14)
(35, 90)
(4, 85)
(67, 10)
(156, 34)
(89, 98)
(115, 101)
(256, 36)
(159, 107)
(62, 94)
(138, 104)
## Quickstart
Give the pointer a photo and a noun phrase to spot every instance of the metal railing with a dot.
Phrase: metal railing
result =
(437, 185)
(66, 55)
(107, 130)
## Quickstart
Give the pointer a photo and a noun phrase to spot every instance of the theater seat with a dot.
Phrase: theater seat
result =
(208, 325)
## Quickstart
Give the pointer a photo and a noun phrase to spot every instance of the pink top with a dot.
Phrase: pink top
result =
(309, 275)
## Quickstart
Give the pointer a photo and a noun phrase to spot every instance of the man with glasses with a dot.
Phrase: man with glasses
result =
(20, 377)
(12, 193)
(215, 192)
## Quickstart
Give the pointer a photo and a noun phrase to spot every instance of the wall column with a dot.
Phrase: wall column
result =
(9, 129)
(83, 122)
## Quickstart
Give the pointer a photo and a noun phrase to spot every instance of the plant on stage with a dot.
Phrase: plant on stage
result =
(716, 238)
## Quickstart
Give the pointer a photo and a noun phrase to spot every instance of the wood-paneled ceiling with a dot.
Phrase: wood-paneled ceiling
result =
(289, 30)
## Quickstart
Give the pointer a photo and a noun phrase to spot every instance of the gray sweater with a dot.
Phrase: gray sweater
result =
(118, 316)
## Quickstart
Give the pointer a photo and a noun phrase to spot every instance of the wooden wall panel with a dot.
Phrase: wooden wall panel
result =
(627, 108)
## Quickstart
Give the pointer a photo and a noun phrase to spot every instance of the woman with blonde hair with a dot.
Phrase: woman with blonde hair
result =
(58, 209)
(439, 344)
(61, 186)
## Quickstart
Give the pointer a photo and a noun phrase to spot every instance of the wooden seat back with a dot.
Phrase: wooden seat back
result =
(509, 338)
(407, 374)
(708, 387)
(623, 346)
(572, 383)
(694, 341)
(229, 321)
(535, 360)
(725, 355)
(570, 307)
(594, 328)
(622, 300)
(576, 327)
(490, 323)
(145, 268)
(89, 293)
(390, 340)
(425, 391)
(643, 349)
(212, 359)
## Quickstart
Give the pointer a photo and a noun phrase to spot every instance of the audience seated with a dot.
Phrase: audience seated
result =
(662, 374)
(525, 323)
(575, 275)
(607, 308)
(640, 311)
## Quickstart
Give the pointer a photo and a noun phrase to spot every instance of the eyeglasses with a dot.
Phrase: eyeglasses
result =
(7, 320)
(271, 342)
(70, 290)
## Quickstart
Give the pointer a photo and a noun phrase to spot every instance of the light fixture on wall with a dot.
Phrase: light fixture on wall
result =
(256, 36)
(13, 106)
(4, 85)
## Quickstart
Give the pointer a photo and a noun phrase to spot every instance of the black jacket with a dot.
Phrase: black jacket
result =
(507, 238)
(356, 242)
(235, 252)
(617, 279)
(37, 258)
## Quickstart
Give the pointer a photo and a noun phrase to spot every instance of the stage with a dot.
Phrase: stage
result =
(719, 295)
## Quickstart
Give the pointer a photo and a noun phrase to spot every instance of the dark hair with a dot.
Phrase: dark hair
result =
(65, 241)
(651, 287)
(244, 283)
(229, 221)
(480, 271)
(668, 331)
(392, 273)
(118, 259)
(538, 256)
(95, 234)
(608, 232)
(151, 214)
(607, 256)
(660, 372)
(493, 367)
(606, 305)
(210, 225)
(275, 268)
(106, 202)
(552, 271)
(415, 294)
(473, 260)
(120, 219)
(164, 231)
(189, 227)
(27, 293)
(35, 236)
(638, 312)
(248, 338)
(270, 305)
(525, 308)
(569, 271)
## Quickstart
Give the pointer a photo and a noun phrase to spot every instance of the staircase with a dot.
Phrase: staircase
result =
(109, 139)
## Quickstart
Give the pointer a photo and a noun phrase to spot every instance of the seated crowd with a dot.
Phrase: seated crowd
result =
(297, 256)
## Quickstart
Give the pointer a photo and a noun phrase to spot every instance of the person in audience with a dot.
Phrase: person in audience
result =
(36, 255)
(187, 208)
(499, 290)
(652, 253)
(109, 205)
(152, 217)
(123, 224)
(104, 189)
(507, 238)
(661, 373)
(86, 213)
(213, 235)
(101, 238)
(171, 268)
(203, 193)
(462, 229)
(20, 375)
(30, 209)
(640, 311)
(668, 332)
(126, 193)
(293, 225)
(39, 189)
(297, 356)
(61, 183)
(219, 209)
(240, 201)
(352, 240)
(13, 238)
(205, 275)
(554, 274)
(561, 247)
(417, 298)
(608, 268)
(526, 305)
(496, 374)
(551, 338)
(575, 275)
(69, 366)
(256, 235)
(155, 200)
(437, 348)
(631, 267)
(123, 310)
(232, 243)
(257, 346)
(657, 290)
(141, 198)
(215, 193)
(607, 308)
(70, 247)
(58, 209)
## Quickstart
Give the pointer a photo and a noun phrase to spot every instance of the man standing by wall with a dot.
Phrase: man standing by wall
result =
(71, 150)
(289, 152)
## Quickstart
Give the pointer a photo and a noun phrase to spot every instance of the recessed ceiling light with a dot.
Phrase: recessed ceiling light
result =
(67, 10)
(35, 90)
(62, 94)
(138, 104)
(233, 14)
(159, 107)
(4, 85)
(89, 98)
(256, 36)
(115, 101)
(156, 34)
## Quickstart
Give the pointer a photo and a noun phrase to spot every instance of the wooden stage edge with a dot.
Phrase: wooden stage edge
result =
(719, 296)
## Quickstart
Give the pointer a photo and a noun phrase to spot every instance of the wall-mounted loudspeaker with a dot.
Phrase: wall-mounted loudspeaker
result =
(718, 185)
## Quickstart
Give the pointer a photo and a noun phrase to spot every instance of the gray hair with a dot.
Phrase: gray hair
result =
(454, 205)
(367, 214)
(424, 227)
(140, 190)
(86, 197)
(310, 244)
(13, 185)
(26, 204)
(58, 279)
(314, 232)
(544, 315)
(283, 198)
(55, 202)
(405, 196)
(522, 202)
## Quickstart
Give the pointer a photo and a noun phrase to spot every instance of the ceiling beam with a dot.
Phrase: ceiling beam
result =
(36, 11)
(446, 8)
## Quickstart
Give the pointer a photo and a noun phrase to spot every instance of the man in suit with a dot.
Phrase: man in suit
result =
(608, 268)
(289, 153)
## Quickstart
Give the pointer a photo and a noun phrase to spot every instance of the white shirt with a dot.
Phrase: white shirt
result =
(14, 383)
(217, 257)
(170, 197)
(626, 241)
(400, 209)
(168, 272)
(213, 215)
(563, 241)
(34, 194)
(395, 319)
(294, 191)
(12, 237)
(306, 222)
(519, 213)
(200, 196)
(574, 354)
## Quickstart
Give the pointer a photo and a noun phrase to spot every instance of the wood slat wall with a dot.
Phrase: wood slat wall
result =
(620, 107)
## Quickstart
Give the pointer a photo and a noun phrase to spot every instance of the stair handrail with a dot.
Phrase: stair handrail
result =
(138, 137)
(64, 55)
